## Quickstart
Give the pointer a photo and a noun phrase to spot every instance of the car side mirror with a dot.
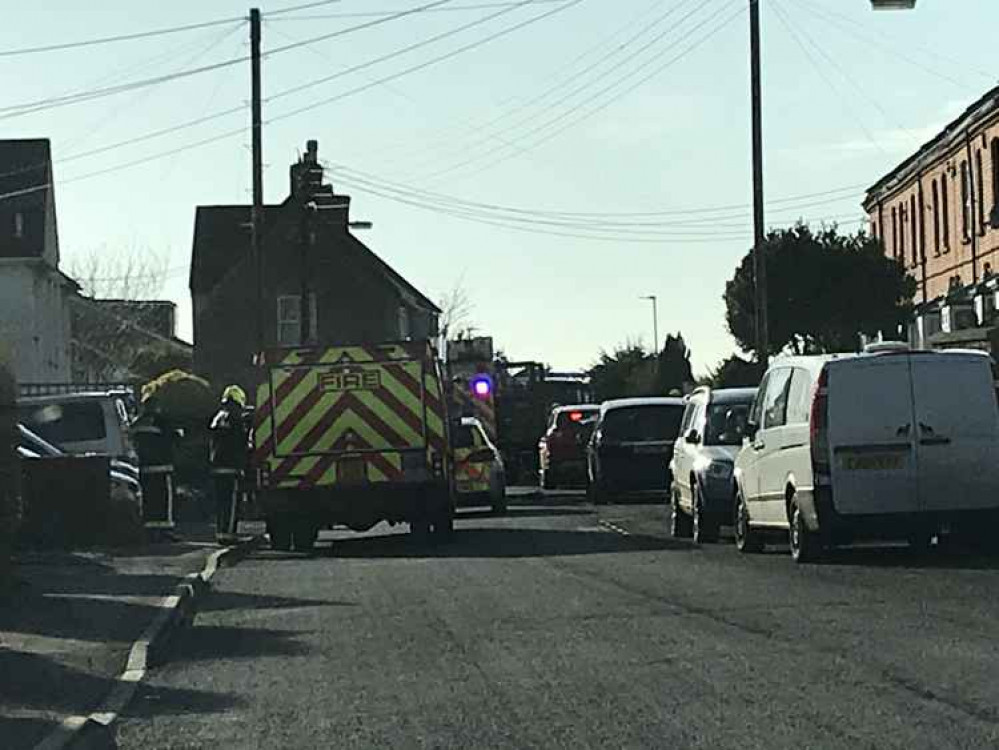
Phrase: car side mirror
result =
(751, 429)
(693, 436)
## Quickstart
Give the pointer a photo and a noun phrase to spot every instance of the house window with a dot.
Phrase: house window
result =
(936, 218)
(945, 212)
(913, 220)
(965, 201)
(979, 189)
(18, 225)
(894, 233)
(901, 234)
(289, 319)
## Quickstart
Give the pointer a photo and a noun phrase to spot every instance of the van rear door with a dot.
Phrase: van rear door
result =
(957, 431)
(871, 435)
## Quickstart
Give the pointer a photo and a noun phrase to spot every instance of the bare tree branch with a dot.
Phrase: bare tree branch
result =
(457, 307)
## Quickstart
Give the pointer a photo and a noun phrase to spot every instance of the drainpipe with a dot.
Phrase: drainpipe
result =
(922, 231)
(973, 207)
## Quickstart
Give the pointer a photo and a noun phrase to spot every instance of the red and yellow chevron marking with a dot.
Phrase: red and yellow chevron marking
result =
(316, 408)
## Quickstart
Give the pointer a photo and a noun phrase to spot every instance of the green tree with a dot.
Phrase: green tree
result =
(627, 371)
(675, 371)
(735, 372)
(823, 290)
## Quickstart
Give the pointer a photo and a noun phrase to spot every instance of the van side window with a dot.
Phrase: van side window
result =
(799, 397)
(756, 413)
(775, 399)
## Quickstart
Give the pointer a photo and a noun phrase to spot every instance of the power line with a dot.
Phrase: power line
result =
(508, 7)
(822, 74)
(559, 85)
(873, 100)
(840, 20)
(117, 38)
(545, 125)
(294, 8)
(17, 110)
(428, 63)
(376, 13)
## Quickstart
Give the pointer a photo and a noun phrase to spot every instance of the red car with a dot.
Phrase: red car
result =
(562, 449)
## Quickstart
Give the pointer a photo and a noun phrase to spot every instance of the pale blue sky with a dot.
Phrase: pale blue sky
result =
(677, 142)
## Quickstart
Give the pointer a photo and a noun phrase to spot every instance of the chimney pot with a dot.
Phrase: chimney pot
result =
(312, 151)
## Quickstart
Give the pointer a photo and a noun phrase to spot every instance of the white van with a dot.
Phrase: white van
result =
(95, 422)
(891, 443)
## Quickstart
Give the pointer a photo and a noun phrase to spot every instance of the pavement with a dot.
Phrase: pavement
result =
(69, 620)
(567, 625)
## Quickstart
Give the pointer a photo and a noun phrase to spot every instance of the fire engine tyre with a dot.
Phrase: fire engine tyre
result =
(305, 535)
(747, 540)
(443, 526)
(420, 529)
(279, 532)
(805, 544)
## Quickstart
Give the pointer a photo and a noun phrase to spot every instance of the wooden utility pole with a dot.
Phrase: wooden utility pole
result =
(759, 262)
(256, 212)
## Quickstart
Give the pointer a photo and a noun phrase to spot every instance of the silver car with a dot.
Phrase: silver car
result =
(703, 492)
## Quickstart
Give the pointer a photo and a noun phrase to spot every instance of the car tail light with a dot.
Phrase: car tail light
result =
(819, 425)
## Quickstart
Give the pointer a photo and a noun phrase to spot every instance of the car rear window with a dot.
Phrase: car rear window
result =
(573, 417)
(726, 423)
(642, 423)
(71, 422)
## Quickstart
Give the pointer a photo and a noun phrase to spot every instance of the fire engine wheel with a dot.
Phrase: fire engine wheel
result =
(280, 535)
(443, 525)
(420, 529)
(305, 535)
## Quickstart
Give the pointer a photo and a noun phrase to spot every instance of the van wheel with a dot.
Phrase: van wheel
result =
(805, 545)
(546, 480)
(704, 529)
(746, 540)
(680, 526)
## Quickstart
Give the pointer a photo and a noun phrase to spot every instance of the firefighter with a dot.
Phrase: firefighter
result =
(154, 444)
(229, 454)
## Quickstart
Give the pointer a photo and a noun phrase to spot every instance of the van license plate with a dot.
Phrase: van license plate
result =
(352, 471)
(872, 462)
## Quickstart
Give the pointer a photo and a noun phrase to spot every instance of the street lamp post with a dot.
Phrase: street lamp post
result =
(655, 323)
(759, 262)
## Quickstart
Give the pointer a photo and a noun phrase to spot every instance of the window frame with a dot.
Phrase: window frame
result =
(914, 230)
(945, 213)
(935, 189)
(894, 233)
(296, 320)
(965, 201)
(980, 189)
(781, 392)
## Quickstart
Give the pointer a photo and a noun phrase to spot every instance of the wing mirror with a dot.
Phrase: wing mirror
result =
(693, 436)
(751, 429)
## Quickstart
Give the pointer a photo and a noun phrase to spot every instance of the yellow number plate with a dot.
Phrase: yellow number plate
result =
(872, 462)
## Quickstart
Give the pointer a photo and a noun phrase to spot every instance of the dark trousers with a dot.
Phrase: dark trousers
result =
(226, 502)
(157, 496)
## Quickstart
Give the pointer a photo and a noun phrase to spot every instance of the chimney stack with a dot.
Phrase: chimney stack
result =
(306, 173)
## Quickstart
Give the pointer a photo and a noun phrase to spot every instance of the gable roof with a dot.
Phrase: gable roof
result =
(222, 241)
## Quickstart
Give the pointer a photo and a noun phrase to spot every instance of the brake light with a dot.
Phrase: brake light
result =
(819, 425)
(575, 416)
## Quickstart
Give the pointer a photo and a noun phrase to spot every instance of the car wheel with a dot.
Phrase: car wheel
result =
(805, 545)
(279, 533)
(546, 480)
(704, 528)
(746, 539)
(498, 500)
(679, 522)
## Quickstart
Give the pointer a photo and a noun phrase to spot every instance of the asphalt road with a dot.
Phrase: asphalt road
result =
(564, 625)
